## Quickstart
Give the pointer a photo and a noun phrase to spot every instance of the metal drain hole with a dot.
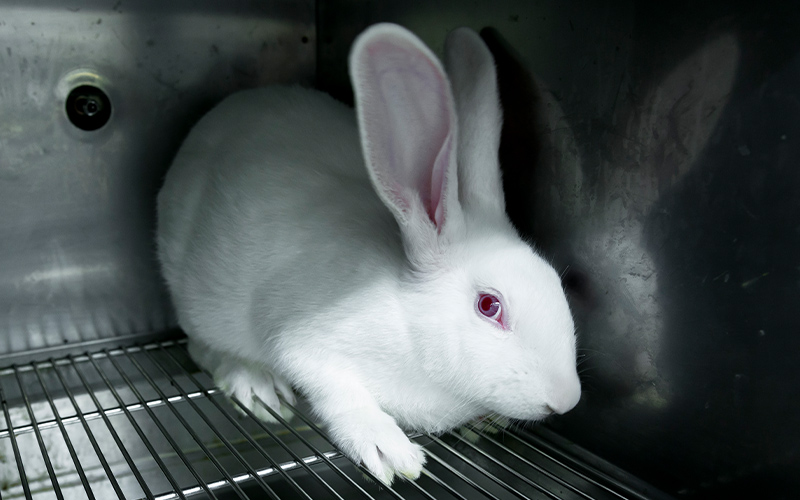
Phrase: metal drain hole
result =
(88, 107)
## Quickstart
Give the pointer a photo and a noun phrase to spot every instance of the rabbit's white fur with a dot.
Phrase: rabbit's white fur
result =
(292, 263)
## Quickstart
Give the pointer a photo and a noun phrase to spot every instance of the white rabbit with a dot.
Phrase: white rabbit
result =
(392, 295)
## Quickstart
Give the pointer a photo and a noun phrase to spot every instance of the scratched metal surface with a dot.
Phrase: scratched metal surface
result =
(77, 207)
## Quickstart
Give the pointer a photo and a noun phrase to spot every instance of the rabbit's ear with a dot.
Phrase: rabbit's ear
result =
(472, 72)
(408, 129)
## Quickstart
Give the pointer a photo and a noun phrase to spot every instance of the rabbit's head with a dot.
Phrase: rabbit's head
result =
(488, 316)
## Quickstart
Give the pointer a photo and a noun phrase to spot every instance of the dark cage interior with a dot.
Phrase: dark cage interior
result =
(649, 150)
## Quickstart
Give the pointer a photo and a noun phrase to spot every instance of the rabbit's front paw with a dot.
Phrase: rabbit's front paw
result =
(249, 386)
(381, 446)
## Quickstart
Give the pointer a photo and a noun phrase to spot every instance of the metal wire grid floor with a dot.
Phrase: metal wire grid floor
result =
(145, 422)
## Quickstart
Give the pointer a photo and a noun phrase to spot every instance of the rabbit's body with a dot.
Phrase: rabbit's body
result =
(336, 274)
(276, 189)
(293, 262)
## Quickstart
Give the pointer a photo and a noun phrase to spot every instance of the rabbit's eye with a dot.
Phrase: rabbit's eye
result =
(491, 307)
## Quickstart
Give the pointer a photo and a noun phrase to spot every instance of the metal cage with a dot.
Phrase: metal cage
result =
(142, 421)
(649, 150)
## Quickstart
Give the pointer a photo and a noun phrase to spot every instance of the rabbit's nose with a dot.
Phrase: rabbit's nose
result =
(563, 405)
(565, 395)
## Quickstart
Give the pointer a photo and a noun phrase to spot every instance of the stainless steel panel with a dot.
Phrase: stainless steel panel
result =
(77, 207)
(654, 159)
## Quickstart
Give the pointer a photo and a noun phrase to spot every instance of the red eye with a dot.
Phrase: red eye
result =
(490, 306)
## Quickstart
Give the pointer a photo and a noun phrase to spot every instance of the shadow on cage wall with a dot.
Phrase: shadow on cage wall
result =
(676, 221)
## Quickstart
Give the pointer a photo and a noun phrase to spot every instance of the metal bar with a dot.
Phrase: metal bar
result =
(67, 440)
(114, 435)
(286, 424)
(189, 429)
(283, 445)
(414, 484)
(461, 476)
(485, 472)
(222, 438)
(242, 430)
(133, 422)
(313, 448)
(22, 476)
(84, 355)
(160, 426)
(63, 350)
(327, 438)
(572, 470)
(538, 468)
(152, 403)
(419, 488)
(505, 467)
(433, 477)
(42, 447)
(267, 471)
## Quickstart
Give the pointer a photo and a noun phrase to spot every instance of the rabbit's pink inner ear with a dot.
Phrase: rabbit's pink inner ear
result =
(407, 122)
